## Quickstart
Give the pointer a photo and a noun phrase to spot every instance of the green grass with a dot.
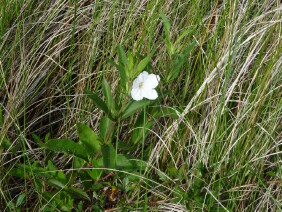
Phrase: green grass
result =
(221, 153)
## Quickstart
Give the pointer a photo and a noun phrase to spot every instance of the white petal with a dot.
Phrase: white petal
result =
(152, 81)
(136, 94)
(136, 83)
(150, 94)
(143, 76)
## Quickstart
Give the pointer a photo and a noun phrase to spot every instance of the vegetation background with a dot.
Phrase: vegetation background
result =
(220, 68)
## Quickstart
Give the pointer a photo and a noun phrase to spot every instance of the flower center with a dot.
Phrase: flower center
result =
(140, 85)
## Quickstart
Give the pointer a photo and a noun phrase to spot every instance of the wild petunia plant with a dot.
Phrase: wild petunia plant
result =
(107, 151)
(110, 159)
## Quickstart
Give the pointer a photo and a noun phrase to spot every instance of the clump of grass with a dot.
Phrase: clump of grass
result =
(222, 151)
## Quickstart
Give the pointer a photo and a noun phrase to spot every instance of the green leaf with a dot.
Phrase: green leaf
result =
(37, 139)
(47, 136)
(164, 112)
(143, 63)
(97, 101)
(133, 106)
(20, 199)
(139, 164)
(88, 138)
(80, 206)
(109, 156)
(167, 31)
(78, 192)
(67, 146)
(11, 206)
(109, 97)
(183, 34)
(56, 183)
(123, 162)
(165, 22)
(178, 62)
(95, 174)
(51, 166)
(5, 143)
(176, 67)
(127, 146)
(106, 128)
(271, 174)
(130, 62)
(122, 67)
(122, 56)
(59, 175)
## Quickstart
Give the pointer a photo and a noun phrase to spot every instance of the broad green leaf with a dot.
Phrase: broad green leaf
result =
(164, 112)
(123, 163)
(5, 143)
(47, 136)
(59, 175)
(127, 146)
(67, 146)
(167, 31)
(78, 162)
(122, 56)
(78, 192)
(130, 62)
(122, 67)
(109, 97)
(20, 200)
(88, 138)
(178, 62)
(65, 208)
(271, 174)
(97, 101)
(19, 172)
(133, 106)
(176, 67)
(80, 207)
(139, 164)
(106, 128)
(56, 183)
(51, 166)
(165, 22)
(24, 171)
(143, 63)
(37, 139)
(95, 174)
(183, 34)
(109, 156)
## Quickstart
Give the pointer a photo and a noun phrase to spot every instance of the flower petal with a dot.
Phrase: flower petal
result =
(143, 76)
(152, 81)
(150, 94)
(136, 83)
(136, 94)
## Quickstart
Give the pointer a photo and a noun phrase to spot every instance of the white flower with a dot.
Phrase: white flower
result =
(144, 86)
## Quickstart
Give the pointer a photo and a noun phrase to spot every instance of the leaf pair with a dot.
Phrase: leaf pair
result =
(126, 67)
(178, 62)
(134, 106)
(113, 160)
(109, 106)
(90, 144)
(177, 54)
